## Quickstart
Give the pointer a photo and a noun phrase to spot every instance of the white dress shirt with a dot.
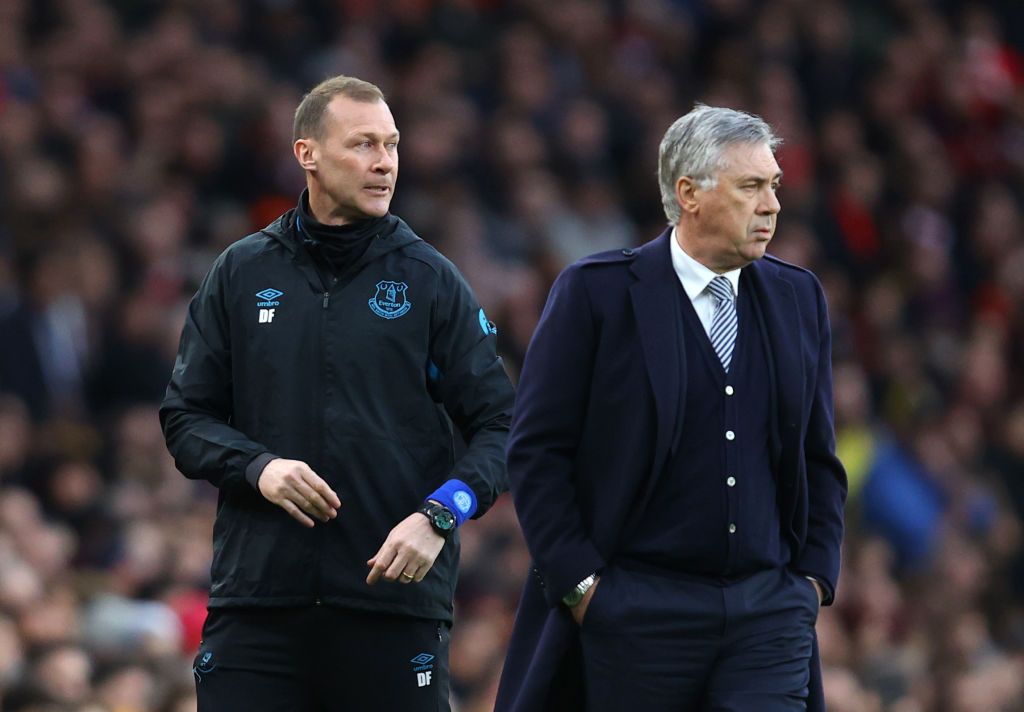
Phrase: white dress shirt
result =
(695, 278)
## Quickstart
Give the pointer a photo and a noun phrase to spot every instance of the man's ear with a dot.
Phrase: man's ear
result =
(686, 194)
(305, 150)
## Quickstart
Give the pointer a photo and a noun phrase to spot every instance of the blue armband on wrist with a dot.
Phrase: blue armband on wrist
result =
(458, 497)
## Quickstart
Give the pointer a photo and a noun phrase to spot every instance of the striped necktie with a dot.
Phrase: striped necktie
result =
(724, 322)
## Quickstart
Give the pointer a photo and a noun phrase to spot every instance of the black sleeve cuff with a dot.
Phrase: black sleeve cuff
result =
(255, 469)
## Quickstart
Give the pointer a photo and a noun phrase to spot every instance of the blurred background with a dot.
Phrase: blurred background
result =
(139, 138)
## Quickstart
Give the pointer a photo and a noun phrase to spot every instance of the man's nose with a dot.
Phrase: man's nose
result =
(385, 161)
(769, 204)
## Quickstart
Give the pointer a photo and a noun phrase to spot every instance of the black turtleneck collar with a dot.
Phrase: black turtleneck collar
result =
(339, 246)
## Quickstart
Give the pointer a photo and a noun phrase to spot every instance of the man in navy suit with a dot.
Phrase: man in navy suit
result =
(672, 457)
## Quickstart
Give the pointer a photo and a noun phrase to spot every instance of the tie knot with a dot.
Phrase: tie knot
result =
(721, 289)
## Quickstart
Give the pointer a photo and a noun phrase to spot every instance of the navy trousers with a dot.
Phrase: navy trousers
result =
(661, 643)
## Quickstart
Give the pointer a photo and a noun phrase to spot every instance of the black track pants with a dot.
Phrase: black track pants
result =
(321, 659)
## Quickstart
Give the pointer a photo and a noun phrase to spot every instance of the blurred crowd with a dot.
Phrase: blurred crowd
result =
(138, 138)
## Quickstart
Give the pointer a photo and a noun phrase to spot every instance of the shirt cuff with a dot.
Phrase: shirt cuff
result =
(827, 595)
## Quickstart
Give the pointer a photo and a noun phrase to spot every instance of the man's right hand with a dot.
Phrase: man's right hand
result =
(580, 609)
(295, 488)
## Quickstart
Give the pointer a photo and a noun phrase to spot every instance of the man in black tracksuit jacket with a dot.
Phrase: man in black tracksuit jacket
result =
(322, 366)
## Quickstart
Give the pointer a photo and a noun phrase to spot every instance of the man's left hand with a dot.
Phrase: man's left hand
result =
(408, 553)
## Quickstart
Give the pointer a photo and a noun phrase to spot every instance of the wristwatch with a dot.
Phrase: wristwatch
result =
(441, 518)
(579, 591)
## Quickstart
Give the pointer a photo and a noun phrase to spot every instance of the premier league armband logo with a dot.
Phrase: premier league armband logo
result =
(390, 301)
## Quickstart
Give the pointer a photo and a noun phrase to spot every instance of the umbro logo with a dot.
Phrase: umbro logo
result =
(423, 668)
(268, 298)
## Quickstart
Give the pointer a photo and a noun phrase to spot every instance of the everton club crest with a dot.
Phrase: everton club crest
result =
(390, 301)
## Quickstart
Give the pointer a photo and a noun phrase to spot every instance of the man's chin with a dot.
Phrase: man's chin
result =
(377, 209)
(757, 250)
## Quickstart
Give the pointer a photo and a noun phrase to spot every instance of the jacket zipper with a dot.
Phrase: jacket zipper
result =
(321, 441)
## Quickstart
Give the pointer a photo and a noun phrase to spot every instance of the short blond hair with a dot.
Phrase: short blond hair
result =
(309, 116)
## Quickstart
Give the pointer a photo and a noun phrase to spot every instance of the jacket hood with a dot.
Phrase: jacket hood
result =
(395, 235)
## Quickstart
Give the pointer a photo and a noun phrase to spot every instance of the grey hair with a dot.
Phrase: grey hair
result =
(693, 147)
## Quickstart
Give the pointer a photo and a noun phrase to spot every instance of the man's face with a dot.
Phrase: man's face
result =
(735, 220)
(356, 160)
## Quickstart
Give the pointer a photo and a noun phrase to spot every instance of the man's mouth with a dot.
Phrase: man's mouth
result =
(378, 189)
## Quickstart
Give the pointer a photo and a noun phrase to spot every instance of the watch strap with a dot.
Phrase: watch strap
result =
(438, 515)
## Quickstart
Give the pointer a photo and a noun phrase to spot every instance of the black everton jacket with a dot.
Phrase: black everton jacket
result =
(362, 378)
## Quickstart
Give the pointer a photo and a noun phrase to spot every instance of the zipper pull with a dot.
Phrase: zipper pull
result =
(327, 297)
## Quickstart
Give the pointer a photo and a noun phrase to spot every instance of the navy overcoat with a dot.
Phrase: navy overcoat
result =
(598, 409)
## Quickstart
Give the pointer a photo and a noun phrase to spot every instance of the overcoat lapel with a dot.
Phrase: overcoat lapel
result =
(655, 297)
(782, 322)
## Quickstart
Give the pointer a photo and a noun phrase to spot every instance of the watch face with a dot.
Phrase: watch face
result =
(444, 520)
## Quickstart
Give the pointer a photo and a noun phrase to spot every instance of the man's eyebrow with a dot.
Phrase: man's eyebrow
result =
(373, 134)
(759, 179)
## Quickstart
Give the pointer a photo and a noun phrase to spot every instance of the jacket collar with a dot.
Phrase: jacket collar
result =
(285, 231)
(783, 321)
(655, 297)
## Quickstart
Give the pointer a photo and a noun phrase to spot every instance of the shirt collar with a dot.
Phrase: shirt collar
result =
(695, 276)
